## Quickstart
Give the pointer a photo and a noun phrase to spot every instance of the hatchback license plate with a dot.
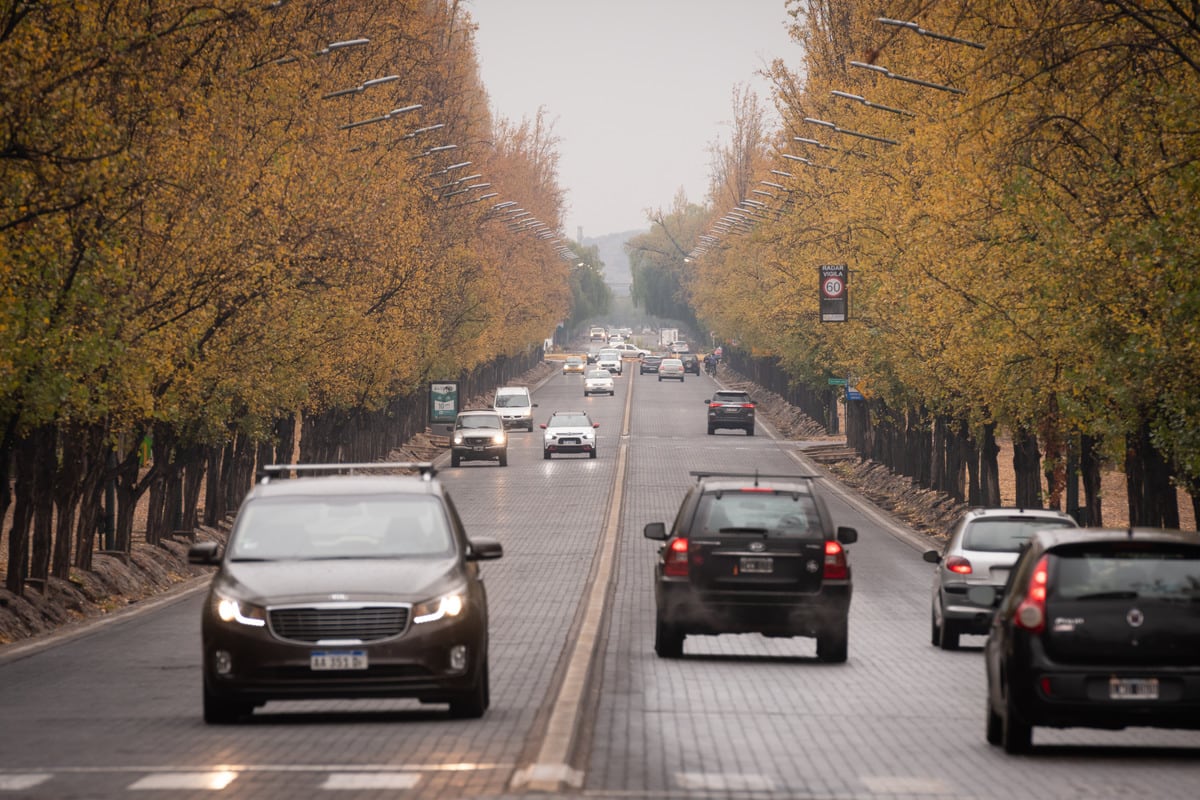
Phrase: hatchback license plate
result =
(758, 566)
(338, 659)
(1133, 688)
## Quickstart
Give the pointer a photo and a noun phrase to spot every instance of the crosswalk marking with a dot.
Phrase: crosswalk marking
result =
(371, 780)
(21, 782)
(214, 781)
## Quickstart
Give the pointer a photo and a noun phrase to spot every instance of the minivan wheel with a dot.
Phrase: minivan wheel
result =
(223, 711)
(472, 703)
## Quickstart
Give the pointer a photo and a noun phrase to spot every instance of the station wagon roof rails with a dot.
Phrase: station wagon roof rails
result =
(699, 474)
(270, 472)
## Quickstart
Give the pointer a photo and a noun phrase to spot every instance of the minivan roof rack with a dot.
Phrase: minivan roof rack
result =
(698, 474)
(270, 472)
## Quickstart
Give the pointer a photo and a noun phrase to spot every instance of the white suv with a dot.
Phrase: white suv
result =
(610, 359)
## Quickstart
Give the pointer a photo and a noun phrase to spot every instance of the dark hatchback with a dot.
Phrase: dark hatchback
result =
(752, 554)
(691, 363)
(1097, 629)
(343, 586)
(650, 363)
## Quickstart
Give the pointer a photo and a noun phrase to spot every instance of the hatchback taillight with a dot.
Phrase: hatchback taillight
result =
(835, 561)
(959, 565)
(676, 562)
(1031, 614)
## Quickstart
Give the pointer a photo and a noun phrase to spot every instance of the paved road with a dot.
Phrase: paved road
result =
(118, 711)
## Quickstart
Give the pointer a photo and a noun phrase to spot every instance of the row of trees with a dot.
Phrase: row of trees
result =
(220, 220)
(1014, 188)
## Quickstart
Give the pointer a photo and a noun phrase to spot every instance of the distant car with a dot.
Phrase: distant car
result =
(680, 347)
(598, 381)
(671, 368)
(1097, 629)
(610, 359)
(569, 432)
(691, 363)
(478, 435)
(752, 554)
(650, 364)
(573, 364)
(630, 350)
(515, 405)
(731, 408)
(981, 550)
(344, 587)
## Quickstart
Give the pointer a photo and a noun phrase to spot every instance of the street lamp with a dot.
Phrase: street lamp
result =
(395, 112)
(362, 87)
(917, 29)
(808, 163)
(860, 99)
(887, 73)
(833, 127)
(439, 149)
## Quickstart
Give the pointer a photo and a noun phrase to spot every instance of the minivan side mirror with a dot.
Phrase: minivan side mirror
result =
(656, 531)
(206, 553)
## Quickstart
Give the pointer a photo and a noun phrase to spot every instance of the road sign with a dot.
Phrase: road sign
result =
(837, 381)
(833, 299)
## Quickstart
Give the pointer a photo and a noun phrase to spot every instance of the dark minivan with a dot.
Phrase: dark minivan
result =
(1098, 629)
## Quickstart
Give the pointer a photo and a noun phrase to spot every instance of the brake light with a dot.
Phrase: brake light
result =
(959, 565)
(835, 561)
(1031, 614)
(676, 562)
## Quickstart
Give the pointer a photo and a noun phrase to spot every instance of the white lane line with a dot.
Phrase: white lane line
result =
(21, 782)
(213, 781)
(371, 780)
(724, 782)
(901, 785)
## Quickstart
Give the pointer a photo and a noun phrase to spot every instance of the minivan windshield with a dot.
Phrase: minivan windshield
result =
(511, 401)
(324, 527)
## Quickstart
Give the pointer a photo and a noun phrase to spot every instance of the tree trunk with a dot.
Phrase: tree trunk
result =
(937, 466)
(989, 468)
(44, 465)
(18, 534)
(1089, 473)
(1152, 497)
(68, 485)
(971, 459)
(1027, 466)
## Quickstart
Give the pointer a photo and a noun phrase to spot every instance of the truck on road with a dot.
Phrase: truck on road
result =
(668, 336)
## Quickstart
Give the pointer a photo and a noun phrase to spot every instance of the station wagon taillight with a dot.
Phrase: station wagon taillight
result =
(676, 562)
(1031, 614)
(835, 561)
(959, 565)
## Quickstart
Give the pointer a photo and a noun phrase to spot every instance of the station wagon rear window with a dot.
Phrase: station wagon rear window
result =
(782, 514)
(1128, 573)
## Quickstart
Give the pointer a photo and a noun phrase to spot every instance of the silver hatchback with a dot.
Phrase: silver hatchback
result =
(980, 552)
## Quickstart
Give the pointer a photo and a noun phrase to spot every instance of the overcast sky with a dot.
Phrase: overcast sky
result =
(637, 90)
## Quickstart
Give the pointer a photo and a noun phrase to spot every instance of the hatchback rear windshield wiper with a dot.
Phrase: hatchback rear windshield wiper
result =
(1124, 594)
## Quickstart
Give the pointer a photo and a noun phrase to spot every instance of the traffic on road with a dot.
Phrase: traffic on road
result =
(598, 684)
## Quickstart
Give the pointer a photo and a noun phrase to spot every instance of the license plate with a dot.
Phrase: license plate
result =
(568, 441)
(338, 659)
(1133, 688)
(758, 566)
(479, 447)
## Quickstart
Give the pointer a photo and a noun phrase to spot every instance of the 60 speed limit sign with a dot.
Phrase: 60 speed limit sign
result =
(833, 287)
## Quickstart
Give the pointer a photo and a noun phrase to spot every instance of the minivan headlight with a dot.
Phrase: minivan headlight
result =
(231, 610)
(448, 605)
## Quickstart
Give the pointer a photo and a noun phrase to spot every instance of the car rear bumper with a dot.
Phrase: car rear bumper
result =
(772, 613)
(1071, 695)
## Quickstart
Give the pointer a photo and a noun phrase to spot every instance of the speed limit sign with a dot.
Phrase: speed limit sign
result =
(833, 295)
(833, 288)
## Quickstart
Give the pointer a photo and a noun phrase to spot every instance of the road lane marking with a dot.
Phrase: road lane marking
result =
(214, 781)
(371, 780)
(552, 771)
(21, 782)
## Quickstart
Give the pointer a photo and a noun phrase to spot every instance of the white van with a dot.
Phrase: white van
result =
(515, 406)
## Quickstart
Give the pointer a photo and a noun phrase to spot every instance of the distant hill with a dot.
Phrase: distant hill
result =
(616, 263)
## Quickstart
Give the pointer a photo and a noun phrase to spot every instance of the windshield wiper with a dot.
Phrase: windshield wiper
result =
(1123, 594)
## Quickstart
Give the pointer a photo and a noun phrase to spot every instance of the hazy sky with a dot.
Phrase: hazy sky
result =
(637, 90)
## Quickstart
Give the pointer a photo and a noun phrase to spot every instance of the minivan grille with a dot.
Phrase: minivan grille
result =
(314, 624)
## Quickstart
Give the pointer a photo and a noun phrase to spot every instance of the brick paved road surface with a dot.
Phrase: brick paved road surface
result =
(118, 711)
